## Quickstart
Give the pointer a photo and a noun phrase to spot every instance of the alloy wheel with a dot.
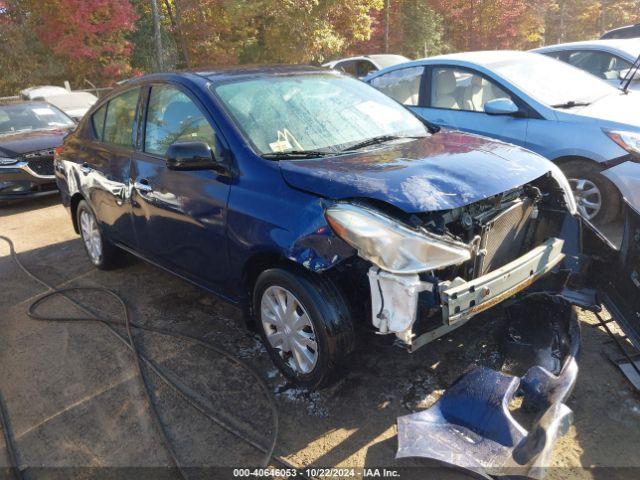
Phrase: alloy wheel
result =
(588, 197)
(288, 329)
(91, 236)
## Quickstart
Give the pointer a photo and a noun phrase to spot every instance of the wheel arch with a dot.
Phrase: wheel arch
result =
(567, 158)
(73, 206)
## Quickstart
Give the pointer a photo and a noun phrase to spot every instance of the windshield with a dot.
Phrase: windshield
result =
(317, 112)
(23, 118)
(552, 82)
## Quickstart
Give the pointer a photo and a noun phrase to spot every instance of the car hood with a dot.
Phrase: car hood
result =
(616, 108)
(447, 170)
(16, 144)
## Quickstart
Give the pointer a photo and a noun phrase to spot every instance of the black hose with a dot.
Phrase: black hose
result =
(140, 358)
(8, 441)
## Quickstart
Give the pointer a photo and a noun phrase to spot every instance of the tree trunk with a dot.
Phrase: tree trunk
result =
(176, 23)
(386, 26)
(157, 38)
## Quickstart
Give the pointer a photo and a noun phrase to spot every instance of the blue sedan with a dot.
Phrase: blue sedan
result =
(313, 201)
(589, 128)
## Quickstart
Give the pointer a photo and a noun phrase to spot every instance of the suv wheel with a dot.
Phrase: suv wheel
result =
(102, 253)
(597, 197)
(304, 324)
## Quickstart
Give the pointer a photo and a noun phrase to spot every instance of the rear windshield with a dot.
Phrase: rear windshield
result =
(24, 118)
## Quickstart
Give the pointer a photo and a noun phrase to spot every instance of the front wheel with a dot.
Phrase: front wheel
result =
(597, 198)
(304, 324)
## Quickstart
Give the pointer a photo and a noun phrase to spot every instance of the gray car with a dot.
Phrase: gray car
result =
(609, 60)
(589, 128)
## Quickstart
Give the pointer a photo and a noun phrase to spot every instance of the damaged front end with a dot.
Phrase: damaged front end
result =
(431, 272)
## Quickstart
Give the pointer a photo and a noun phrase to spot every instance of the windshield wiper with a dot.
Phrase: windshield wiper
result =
(296, 154)
(376, 141)
(571, 104)
(630, 75)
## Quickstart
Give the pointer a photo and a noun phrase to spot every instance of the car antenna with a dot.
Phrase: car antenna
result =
(631, 73)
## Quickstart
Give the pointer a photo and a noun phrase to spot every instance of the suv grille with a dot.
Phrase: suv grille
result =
(504, 237)
(41, 162)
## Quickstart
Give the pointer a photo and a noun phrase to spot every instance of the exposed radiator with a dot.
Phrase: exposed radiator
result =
(503, 237)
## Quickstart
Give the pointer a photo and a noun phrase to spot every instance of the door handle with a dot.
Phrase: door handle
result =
(85, 168)
(143, 186)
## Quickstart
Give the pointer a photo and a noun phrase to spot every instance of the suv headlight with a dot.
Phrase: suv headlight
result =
(392, 246)
(629, 141)
(8, 161)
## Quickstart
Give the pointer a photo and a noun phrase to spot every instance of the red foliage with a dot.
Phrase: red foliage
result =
(483, 24)
(88, 33)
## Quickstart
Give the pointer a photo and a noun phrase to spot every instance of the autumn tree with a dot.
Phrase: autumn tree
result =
(19, 42)
(408, 27)
(573, 20)
(87, 36)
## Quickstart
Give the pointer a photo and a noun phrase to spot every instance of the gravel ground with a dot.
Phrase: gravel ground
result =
(74, 398)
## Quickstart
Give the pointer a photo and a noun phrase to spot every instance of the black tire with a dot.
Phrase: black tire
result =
(328, 312)
(611, 200)
(111, 256)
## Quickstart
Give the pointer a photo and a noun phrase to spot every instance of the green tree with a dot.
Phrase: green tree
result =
(422, 30)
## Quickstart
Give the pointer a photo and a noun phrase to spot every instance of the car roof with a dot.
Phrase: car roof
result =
(484, 58)
(634, 26)
(382, 59)
(630, 46)
(224, 74)
(25, 103)
(259, 70)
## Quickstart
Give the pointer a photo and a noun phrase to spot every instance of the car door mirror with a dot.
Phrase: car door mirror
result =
(501, 106)
(623, 74)
(191, 156)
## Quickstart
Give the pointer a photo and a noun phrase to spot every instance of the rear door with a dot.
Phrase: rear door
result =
(105, 164)
(455, 98)
(180, 216)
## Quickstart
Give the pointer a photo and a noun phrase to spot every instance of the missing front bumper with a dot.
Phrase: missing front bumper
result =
(394, 298)
(463, 300)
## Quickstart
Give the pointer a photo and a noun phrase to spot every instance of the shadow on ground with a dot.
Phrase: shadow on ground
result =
(75, 399)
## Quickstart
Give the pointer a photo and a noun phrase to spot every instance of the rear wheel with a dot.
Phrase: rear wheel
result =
(304, 324)
(102, 253)
(597, 197)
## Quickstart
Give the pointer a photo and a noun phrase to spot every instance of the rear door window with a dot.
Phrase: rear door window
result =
(121, 118)
(402, 85)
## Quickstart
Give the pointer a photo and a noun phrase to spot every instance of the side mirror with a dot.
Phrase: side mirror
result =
(501, 106)
(623, 74)
(190, 156)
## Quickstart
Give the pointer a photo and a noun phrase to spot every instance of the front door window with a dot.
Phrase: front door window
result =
(173, 117)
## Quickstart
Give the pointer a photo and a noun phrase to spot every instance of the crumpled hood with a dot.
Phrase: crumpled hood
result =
(618, 108)
(16, 144)
(447, 170)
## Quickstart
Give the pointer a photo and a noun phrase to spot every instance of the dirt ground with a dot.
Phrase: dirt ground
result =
(74, 398)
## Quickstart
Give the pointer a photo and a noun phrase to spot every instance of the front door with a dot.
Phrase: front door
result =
(180, 216)
(456, 99)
